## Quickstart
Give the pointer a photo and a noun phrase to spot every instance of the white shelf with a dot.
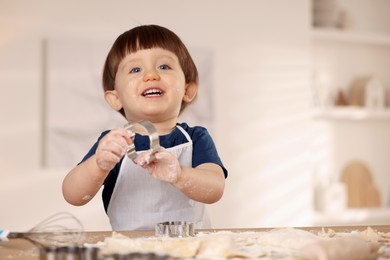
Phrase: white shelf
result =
(350, 36)
(351, 113)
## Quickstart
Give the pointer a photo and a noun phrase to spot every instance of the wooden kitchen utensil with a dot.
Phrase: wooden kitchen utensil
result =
(362, 191)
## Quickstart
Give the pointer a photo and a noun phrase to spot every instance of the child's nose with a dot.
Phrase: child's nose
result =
(151, 74)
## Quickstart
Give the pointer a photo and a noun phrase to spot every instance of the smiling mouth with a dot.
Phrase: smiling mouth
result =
(152, 92)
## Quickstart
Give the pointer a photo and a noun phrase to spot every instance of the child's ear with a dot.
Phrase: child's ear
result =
(111, 96)
(190, 92)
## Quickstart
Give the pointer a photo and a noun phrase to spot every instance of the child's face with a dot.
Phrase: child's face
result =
(149, 84)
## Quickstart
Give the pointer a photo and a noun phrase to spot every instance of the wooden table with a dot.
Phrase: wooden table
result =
(19, 249)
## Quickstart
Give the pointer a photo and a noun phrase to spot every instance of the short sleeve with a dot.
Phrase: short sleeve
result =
(204, 149)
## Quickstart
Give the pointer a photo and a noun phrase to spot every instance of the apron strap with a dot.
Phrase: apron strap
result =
(184, 133)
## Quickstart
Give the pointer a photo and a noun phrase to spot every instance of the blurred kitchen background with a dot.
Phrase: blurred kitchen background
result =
(295, 94)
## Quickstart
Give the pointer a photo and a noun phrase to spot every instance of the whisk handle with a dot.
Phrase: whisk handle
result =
(5, 235)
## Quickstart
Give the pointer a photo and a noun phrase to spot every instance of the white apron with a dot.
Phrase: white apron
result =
(139, 201)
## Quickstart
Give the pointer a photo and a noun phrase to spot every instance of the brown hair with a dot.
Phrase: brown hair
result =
(146, 37)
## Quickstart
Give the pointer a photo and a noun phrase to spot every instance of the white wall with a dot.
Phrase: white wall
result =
(262, 65)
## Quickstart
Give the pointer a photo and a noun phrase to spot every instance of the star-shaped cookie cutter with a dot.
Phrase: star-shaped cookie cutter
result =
(143, 127)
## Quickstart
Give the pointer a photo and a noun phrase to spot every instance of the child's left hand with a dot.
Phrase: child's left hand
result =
(164, 167)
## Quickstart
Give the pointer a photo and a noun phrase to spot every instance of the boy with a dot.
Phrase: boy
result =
(149, 75)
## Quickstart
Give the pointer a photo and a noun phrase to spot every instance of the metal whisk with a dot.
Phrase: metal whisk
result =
(60, 229)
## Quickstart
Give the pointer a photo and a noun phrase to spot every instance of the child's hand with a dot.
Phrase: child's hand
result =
(164, 167)
(111, 148)
(144, 157)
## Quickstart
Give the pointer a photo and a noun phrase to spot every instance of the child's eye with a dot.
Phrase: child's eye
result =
(164, 67)
(135, 70)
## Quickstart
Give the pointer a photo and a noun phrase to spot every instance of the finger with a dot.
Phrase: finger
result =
(107, 160)
(123, 133)
(160, 155)
(112, 146)
(115, 141)
(164, 156)
(126, 134)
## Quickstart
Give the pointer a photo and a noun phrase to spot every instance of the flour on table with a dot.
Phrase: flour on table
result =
(282, 243)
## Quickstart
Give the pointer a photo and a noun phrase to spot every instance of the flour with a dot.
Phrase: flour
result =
(144, 158)
(87, 197)
(282, 243)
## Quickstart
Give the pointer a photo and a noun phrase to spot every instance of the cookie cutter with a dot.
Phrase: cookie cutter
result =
(68, 253)
(142, 127)
(175, 229)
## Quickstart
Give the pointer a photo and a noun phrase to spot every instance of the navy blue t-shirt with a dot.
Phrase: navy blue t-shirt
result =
(204, 151)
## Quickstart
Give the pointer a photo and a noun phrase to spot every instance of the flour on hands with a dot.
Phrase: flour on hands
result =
(162, 165)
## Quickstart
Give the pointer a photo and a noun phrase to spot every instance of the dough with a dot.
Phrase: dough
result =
(348, 247)
(282, 243)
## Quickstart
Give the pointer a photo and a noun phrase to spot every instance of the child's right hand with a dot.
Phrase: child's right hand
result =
(112, 147)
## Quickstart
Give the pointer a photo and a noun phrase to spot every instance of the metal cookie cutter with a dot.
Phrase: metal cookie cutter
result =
(142, 127)
(175, 229)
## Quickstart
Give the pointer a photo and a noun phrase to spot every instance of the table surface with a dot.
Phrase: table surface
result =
(21, 249)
